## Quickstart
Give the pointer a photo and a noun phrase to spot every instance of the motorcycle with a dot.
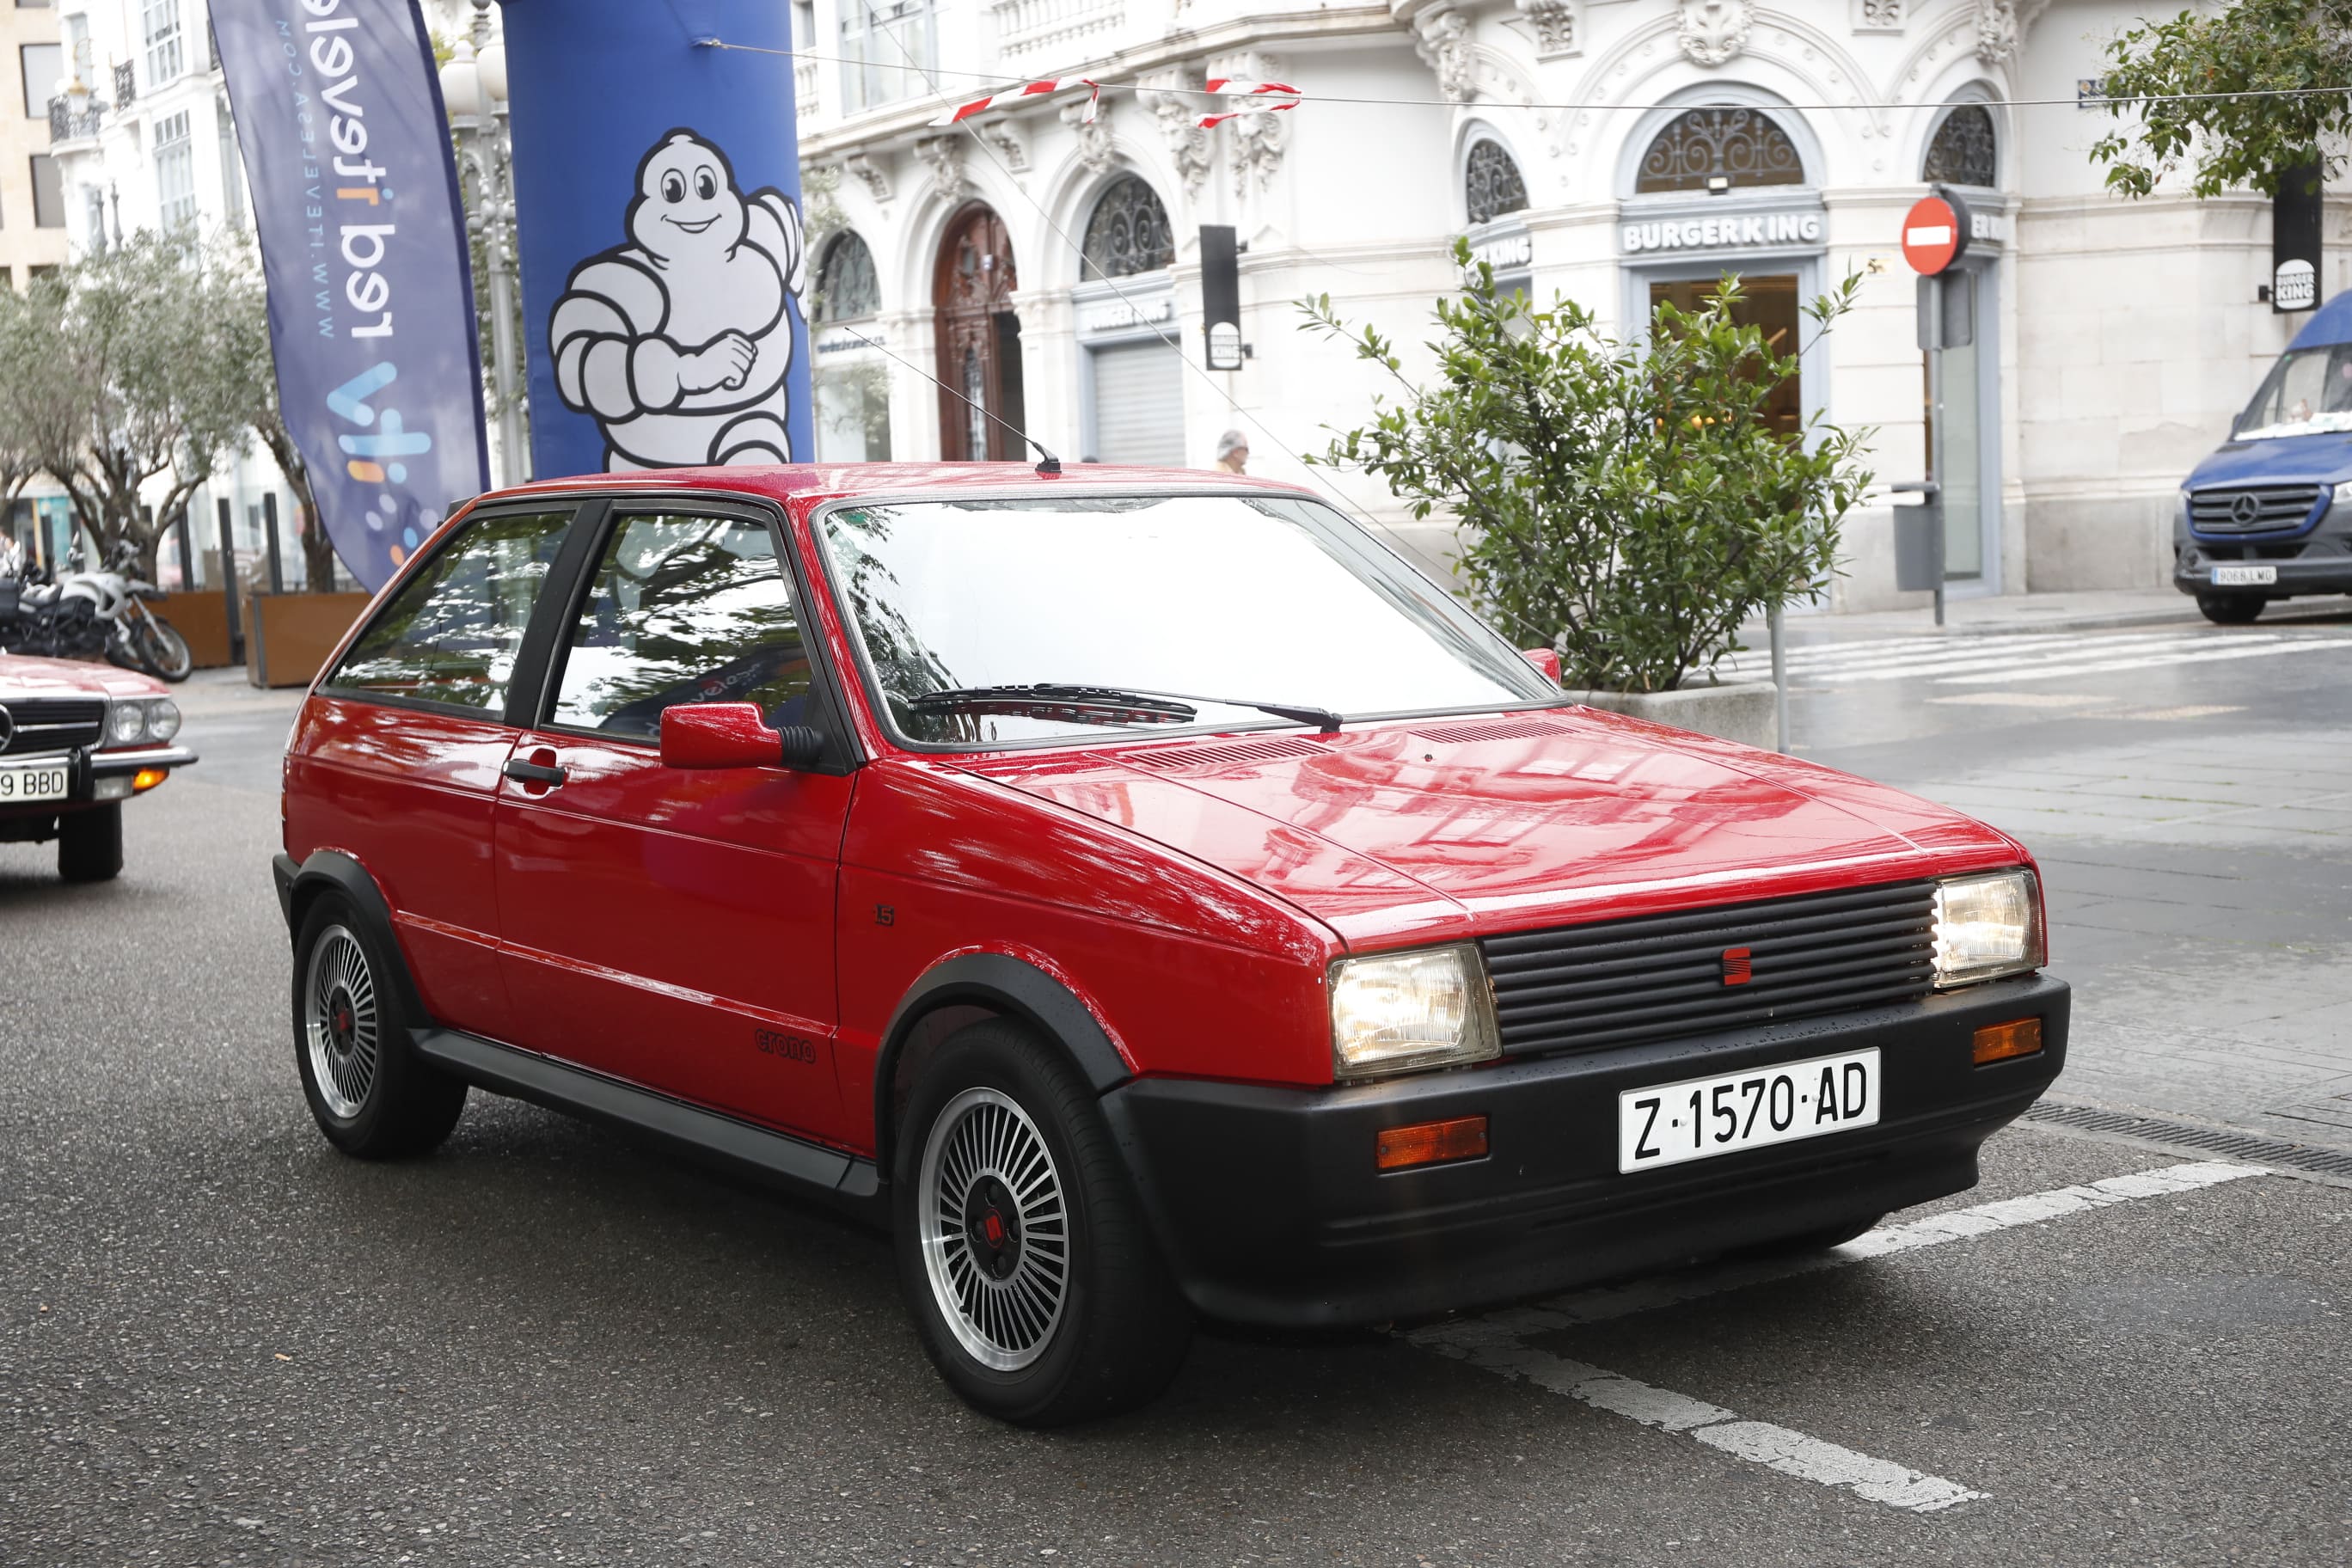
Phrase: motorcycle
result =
(91, 614)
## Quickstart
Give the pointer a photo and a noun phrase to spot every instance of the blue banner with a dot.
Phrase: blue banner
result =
(657, 196)
(364, 247)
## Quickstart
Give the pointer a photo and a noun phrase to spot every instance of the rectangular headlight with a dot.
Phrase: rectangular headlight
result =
(1402, 1012)
(1987, 927)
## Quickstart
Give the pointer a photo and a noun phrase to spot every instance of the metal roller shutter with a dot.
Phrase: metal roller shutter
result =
(1139, 406)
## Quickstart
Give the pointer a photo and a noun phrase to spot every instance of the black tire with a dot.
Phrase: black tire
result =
(1118, 1329)
(1822, 1240)
(2230, 609)
(163, 651)
(372, 1094)
(90, 844)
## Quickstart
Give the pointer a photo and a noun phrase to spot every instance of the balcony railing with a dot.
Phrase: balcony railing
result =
(1033, 27)
(65, 125)
(804, 89)
(126, 83)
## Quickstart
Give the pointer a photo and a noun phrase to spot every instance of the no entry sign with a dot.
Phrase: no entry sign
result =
(1935, 233)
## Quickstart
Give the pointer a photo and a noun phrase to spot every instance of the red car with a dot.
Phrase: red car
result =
(75, 741)
(1143, 891)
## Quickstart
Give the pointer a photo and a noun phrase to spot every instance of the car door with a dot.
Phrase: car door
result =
(675, 928)
(397, 760)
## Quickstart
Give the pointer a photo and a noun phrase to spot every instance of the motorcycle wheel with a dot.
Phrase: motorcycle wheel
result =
(161, 650)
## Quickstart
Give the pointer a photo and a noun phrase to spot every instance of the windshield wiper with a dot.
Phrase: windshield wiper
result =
(1173, 705)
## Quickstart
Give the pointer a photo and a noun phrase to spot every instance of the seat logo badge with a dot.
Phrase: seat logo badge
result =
(2246, 508)
(1736, 968)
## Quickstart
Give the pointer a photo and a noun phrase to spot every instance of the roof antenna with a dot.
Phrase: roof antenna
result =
(1048, 466)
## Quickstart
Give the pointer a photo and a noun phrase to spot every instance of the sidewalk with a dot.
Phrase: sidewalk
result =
(2093, 610)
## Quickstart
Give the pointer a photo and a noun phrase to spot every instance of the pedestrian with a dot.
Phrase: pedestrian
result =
(1233, 452)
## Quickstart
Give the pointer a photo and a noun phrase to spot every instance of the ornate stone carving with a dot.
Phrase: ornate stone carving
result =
(1555, 25)
(943, 156)
(1095, 149)
(2001, 27)
(999, 139)
(870, 174)
(1713, 31)
(1878, 15)
(1179, 114)
(1258, 143)
(1440, 35)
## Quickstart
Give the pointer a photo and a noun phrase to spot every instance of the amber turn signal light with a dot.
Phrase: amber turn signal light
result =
(1433, 1143)
(2000, 1042)
(147, 778)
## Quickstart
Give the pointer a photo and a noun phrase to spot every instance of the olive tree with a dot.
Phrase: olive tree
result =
(1629, 502)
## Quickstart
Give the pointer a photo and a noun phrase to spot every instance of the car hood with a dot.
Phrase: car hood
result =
(2323, 459)
(24, 676)
(1464, 826)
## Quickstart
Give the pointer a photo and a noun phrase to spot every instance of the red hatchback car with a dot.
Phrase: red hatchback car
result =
(1142, 891)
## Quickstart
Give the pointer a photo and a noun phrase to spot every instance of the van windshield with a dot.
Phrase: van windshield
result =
(2307, 392)
(985, 622)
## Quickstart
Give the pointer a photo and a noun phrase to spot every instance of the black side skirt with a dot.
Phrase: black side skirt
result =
(844, 1181)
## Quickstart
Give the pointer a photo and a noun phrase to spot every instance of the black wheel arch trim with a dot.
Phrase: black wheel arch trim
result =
(1002, 983)
(330, 871)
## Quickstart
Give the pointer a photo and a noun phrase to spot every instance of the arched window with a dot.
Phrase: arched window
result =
(1963, 151)
(1128, 231)
(846, 286)
(1491, 184)
(1716, 148)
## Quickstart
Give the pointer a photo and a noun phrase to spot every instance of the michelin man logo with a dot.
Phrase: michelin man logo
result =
(677, 343)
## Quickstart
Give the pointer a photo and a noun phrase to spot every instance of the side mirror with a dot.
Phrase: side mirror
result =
(733, 735)
(1545, 659)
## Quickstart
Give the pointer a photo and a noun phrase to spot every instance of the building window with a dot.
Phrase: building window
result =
(1128, 231)
(49, 193)
(161, 23)
(887, 47)
(1963, 151)
(232, 170)
(1716, 148)
(175, 171)
(43, 64)
(846, 286)
(78, 42)
(1491, 184)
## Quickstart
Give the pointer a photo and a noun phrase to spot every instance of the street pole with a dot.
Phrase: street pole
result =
(492, 218)
(1779, 682)
(1935, 449)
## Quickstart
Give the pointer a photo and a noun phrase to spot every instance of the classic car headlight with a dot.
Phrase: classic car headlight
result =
(1405, 1011)
(2343, 493)
(1987, 927)
(133, 720)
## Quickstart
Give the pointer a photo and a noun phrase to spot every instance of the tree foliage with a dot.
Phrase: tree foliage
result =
(1629, 502)
(2262, 47)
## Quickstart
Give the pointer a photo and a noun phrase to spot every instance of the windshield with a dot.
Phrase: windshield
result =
(1122, 604)
(2307, 392)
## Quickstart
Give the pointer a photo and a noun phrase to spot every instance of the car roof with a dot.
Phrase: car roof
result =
(785, 481)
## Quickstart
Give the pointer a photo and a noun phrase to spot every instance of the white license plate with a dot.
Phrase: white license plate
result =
(23, 781)
(1701, 1117)
(2244, 576)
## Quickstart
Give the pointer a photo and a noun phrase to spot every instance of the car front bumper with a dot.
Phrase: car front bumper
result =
(1272, 1212)
(2315, 572)
(88, 767)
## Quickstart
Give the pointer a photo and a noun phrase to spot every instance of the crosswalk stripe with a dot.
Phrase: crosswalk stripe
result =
(2032, 658)
(2108, 666)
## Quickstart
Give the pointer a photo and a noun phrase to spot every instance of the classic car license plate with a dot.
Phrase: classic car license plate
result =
(1700, 1117)
(23, 782)
(2244, 576)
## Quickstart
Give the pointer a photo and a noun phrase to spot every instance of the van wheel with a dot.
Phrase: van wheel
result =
(90, 844)
(2230, 609)
(1026, 1262)
(372, 1094)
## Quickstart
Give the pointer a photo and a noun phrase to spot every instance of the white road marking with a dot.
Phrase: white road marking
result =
(2036, 661)
(1497, 1341)
(2202, 655)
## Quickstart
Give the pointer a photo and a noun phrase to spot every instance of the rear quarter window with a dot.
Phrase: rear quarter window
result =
(451, 633)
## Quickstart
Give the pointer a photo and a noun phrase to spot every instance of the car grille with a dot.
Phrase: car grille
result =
(2252, 509)
(1579, 988)
(52, 724)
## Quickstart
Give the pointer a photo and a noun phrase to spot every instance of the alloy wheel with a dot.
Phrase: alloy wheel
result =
(994, 1229)
(341, 1027)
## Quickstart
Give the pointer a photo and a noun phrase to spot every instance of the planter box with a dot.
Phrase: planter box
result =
(202, 617)
(289, 635)
(1738, 710)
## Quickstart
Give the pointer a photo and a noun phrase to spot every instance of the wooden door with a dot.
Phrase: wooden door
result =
(979, 339)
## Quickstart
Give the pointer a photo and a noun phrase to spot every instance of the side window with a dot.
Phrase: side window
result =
(451, 633)
(684, 609)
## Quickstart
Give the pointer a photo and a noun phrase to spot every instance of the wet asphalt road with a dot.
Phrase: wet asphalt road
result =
(221, 1343)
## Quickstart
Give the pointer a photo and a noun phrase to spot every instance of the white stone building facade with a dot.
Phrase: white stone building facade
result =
(2115, 342)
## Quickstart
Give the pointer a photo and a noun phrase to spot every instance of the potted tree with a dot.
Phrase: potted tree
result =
(1626, 502)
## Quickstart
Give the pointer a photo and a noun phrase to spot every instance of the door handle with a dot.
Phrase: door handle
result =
(534, 773)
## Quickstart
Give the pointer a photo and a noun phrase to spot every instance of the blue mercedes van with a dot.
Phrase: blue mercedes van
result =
(2269, 515)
